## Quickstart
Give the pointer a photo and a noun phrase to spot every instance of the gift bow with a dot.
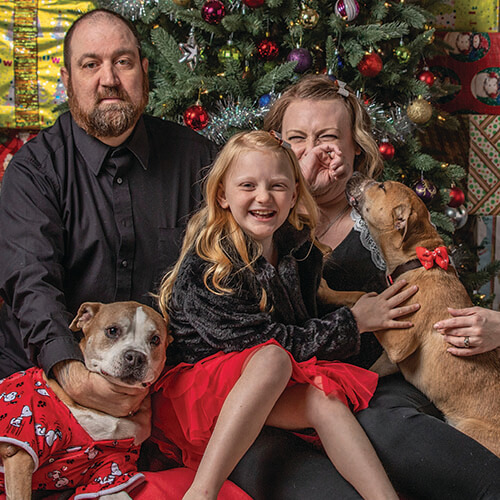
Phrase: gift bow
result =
(427, 258)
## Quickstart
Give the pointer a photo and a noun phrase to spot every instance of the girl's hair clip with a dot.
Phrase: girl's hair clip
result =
(342, 90)
(279, 138)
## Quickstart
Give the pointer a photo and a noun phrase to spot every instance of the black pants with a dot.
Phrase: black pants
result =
(424, 457)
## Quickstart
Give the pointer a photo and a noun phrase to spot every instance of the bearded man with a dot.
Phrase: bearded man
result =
(92, 209)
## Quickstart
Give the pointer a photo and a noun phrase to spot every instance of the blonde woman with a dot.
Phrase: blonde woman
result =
(329, 131)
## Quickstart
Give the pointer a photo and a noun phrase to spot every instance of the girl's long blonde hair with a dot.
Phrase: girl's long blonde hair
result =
(213, 232)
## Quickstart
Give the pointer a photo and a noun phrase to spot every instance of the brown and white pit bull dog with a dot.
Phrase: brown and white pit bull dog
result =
(465, 389)
(47, 441)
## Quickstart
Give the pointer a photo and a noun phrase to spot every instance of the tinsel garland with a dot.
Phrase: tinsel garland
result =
(229, 114)
(390, 123)
(131, 9)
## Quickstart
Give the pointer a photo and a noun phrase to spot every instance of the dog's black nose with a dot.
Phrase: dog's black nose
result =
(134, 359)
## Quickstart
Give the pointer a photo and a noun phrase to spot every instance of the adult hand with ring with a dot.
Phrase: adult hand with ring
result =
(471, 331)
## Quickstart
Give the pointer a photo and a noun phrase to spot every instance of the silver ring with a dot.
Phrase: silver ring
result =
(466, 342)
(329, 153)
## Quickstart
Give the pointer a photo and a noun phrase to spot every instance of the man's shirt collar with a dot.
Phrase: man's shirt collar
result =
(94, 151)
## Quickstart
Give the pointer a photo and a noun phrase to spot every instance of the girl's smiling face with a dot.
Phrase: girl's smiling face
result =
(260, 190)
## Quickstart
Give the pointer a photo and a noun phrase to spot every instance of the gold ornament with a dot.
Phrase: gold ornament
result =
(419, 111)
(308, 17)
(182, 3)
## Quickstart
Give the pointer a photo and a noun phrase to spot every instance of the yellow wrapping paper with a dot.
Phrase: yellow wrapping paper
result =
(31, 56)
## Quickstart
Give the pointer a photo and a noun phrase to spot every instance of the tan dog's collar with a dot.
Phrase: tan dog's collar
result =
(407, 266)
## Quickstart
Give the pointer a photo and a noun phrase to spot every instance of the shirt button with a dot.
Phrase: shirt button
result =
(119, 180)
(124, 263)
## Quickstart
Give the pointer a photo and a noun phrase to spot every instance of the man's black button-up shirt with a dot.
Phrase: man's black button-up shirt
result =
(80, 221)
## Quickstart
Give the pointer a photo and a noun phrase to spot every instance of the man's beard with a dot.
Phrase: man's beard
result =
(111, 120)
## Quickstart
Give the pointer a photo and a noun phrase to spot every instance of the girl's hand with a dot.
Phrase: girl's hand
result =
(481, 326)
(322, 165)
(374, 312)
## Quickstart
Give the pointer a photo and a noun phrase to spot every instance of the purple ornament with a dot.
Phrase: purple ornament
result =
(213, 11)
(425, 190)
(303, 58)
(347, 9)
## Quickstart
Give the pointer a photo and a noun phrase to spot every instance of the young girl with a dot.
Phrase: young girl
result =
(242, 307)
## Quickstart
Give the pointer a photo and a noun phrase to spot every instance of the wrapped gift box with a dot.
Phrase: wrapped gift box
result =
(488, 236)
(31, 56)
(473, 64)
(484, 165)
(12, 144)
(468, 15)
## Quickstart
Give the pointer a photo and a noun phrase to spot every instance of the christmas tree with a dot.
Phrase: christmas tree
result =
(218, 65)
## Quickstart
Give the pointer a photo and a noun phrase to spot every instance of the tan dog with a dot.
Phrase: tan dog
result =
(126, 343)
(465, 389)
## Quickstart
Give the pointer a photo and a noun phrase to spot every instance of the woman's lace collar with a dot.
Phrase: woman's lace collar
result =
(367, 241)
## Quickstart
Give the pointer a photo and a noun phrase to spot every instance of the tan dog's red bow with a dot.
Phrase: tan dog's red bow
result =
(427, 258)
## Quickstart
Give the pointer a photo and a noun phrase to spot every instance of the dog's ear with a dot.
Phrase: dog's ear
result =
(401, 214)
(85, 314)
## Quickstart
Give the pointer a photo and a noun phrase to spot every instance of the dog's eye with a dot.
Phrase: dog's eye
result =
(112, 332)
(155, 340)
(382, 186)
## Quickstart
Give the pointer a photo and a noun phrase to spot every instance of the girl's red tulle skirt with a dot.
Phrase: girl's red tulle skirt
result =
(188, 398)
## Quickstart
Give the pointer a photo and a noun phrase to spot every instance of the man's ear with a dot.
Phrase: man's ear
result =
(145, 65)
(221, 196)
(65, 76)
(401, 214)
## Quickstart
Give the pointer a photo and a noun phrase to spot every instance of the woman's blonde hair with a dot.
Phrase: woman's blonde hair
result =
(323, 88)
(214, 234)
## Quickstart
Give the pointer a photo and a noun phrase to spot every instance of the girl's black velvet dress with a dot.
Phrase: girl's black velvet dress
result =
(219, 332)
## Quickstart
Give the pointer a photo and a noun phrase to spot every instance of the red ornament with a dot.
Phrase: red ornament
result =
(370, 65)
(196, 117)
(268, 49)
(254, 4)
(427, 77)
(457, 197)
(213, 11)
(386, 149)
